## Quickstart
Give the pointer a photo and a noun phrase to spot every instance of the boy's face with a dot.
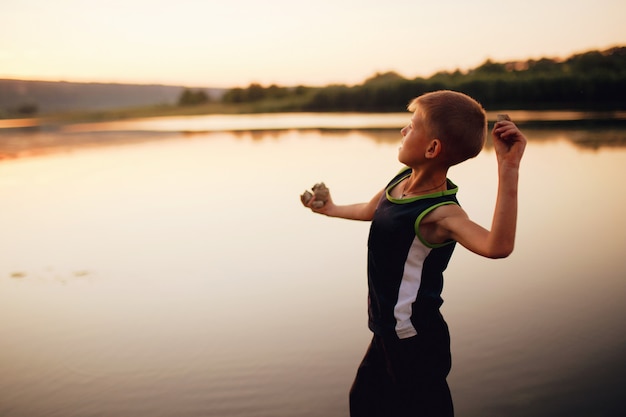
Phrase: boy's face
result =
(415, 139)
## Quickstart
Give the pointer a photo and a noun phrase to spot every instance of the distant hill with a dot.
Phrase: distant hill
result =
(50, 96)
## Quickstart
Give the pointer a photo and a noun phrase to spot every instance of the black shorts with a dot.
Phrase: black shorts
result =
(405, 377)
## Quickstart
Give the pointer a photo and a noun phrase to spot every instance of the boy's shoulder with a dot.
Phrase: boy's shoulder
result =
(444, 212)
(436, 225)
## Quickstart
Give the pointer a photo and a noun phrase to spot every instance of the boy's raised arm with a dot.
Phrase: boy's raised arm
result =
(509, 144)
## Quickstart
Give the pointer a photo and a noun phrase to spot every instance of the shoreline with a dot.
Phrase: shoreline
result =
(520, 116)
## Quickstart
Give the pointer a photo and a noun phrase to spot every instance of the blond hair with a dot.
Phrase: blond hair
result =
(457, 120)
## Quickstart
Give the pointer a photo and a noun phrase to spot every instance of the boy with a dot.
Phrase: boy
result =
(416, 222)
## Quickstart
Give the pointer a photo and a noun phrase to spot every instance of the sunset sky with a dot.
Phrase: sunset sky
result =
(228, 43)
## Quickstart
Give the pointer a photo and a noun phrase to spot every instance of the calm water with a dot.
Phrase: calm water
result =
(176, 273)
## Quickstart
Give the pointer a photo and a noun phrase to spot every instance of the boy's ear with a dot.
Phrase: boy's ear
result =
(433, 149)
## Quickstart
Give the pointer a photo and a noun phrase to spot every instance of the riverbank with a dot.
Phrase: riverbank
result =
(528, 118)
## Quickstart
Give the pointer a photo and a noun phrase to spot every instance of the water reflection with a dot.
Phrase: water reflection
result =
(29, 144)
(597, 129)
(179, 275)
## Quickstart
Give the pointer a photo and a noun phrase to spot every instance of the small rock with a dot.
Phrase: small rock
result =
(321, 193)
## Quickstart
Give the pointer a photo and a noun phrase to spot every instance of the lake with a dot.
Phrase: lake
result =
(165, 267)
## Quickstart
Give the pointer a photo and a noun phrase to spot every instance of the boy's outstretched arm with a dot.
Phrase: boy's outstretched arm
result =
(509, 144)
(359, 211)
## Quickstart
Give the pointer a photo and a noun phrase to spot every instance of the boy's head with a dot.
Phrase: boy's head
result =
(457, 120)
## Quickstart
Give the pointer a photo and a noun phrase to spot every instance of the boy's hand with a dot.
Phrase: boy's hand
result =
(509, 142)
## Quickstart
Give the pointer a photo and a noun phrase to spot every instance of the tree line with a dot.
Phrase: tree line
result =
(594, 79)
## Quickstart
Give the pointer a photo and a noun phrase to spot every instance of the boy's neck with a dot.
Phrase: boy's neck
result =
(422, 182)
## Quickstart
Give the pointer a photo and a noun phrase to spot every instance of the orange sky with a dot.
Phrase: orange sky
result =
(288, 42)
